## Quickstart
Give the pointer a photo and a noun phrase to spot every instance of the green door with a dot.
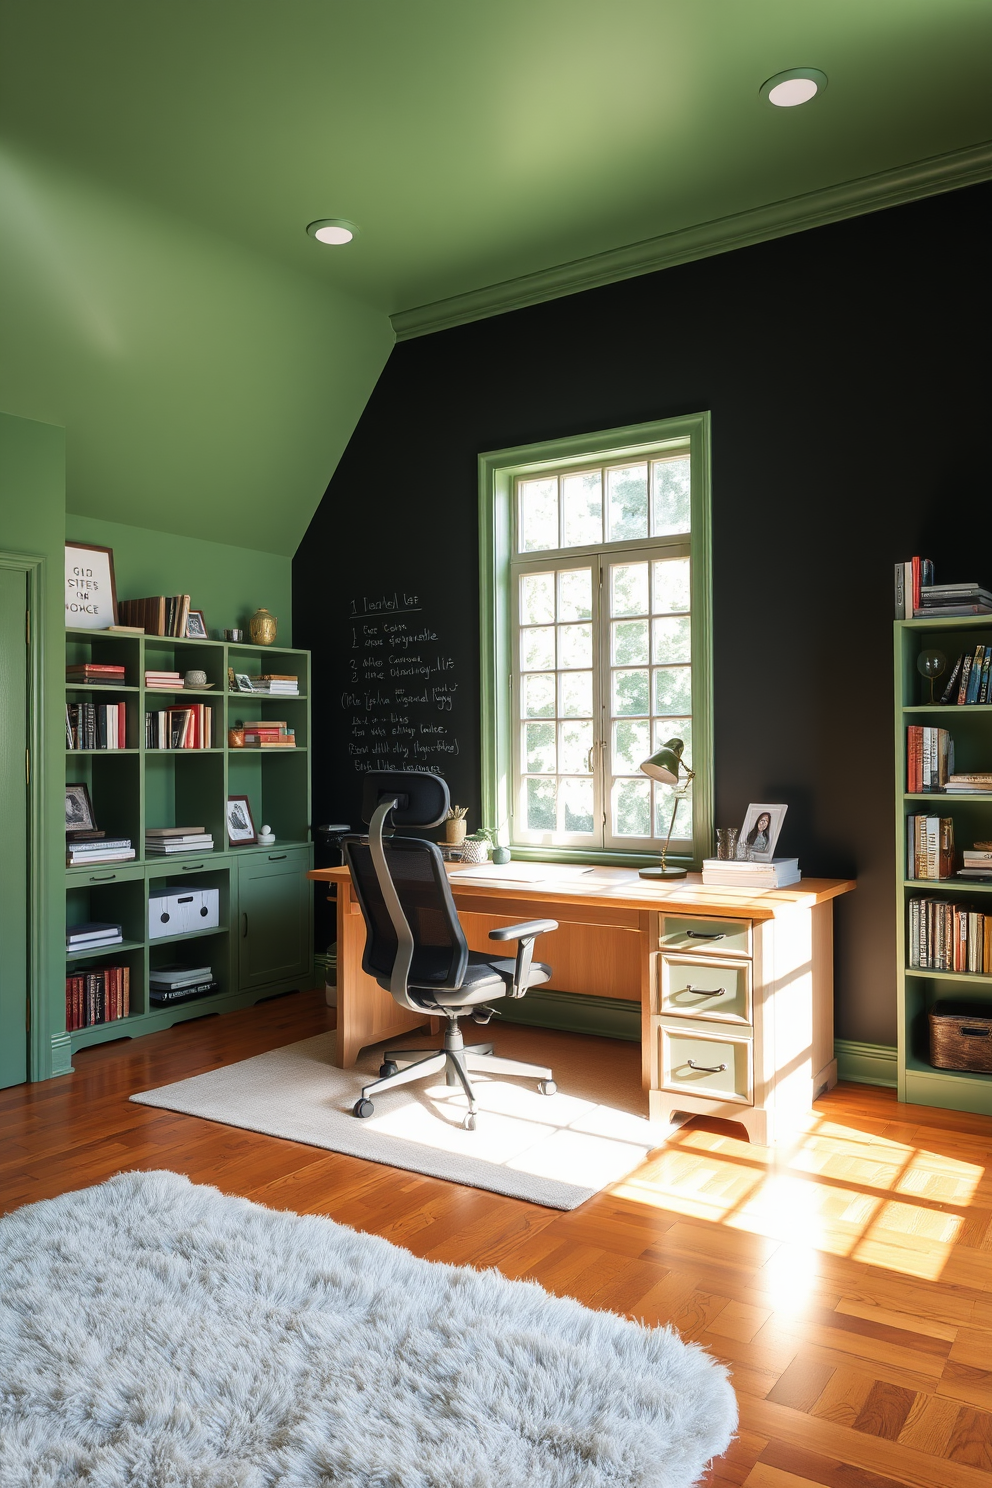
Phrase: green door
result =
(14, 815)
(273, 926)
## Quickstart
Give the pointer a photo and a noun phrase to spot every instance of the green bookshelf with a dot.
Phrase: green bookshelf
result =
(971, 729)
(263, 944)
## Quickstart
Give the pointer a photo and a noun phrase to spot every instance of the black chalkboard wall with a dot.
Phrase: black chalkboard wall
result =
(846, 370)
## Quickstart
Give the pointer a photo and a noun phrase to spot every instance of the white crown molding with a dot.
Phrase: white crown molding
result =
(888, 188)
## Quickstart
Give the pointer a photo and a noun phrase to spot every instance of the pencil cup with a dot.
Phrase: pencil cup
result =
(726, 842)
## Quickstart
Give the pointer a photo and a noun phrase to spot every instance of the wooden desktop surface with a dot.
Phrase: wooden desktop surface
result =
(601, 948)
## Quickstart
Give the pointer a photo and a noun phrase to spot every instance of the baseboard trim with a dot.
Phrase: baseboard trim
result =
(866, 1064)
(574, 1012)
(61, 1054)
(889, 188)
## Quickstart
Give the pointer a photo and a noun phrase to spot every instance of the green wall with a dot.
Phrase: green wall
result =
(32, 522)
(204, 389)
(227, 583)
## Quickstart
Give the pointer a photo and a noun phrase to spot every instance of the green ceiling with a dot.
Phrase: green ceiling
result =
(472, 143)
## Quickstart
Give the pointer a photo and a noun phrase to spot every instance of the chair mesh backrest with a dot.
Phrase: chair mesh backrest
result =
(440, 953)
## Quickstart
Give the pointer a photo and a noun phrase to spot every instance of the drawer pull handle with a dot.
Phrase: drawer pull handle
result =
(706, 934)
(706, 991)
(191, 867)
(102, 877)
(276, 857)
(708, 1069)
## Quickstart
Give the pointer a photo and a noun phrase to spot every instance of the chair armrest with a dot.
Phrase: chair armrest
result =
(528, 927)
(525, 934)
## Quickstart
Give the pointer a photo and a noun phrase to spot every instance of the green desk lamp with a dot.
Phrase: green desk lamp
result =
(665, 766)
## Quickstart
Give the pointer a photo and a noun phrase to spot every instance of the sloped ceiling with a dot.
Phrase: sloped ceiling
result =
(163, 159)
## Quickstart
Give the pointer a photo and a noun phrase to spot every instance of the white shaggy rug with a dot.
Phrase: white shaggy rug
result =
(157, 1334)
(556, 1150)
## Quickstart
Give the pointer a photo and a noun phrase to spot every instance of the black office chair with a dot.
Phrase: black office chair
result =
(416, 948)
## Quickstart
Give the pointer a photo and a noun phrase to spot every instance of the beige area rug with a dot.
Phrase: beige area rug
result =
(555, 1150)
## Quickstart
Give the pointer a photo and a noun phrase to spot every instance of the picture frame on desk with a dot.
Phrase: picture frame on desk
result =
(90, 586)
(240, 823)
(760, 832)
(196, 626)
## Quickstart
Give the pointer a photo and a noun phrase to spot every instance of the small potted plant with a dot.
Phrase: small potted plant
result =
(455, 825)
(481, 844)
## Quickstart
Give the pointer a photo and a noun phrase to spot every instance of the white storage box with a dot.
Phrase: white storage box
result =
(180, 911)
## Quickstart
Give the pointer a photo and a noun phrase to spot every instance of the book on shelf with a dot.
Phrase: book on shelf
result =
(910, 578)
(929, 758)
(101, 994)
(163, 996)
(95, 932)
(969, 785)
(953, 599)
(277, 686)
(178, 976)
(164, 681)
(125, 630)
(184, 726)
(91, 671)
(158, 614)
(744, 874)
(100, 844)
(929, 847)
(174, 831)
(75, 859)
(943, 936)
(274, 735)
(96, 726)
(169, 846)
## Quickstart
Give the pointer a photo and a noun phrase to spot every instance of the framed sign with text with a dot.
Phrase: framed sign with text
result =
(90, 590)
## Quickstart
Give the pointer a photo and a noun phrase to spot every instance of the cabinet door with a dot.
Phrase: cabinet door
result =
(273, 923)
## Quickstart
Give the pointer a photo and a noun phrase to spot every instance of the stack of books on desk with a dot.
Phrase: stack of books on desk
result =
(168, 841)
(739, 873)
(168, 984)
(97, 848)
(96, 933)
(276, 684)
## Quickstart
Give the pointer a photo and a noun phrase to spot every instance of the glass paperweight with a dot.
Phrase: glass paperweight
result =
(931, 664)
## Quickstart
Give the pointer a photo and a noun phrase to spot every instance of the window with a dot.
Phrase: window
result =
(595, 565)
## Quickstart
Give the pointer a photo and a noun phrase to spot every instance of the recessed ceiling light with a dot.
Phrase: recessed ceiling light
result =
(798, 85)
(335, 230)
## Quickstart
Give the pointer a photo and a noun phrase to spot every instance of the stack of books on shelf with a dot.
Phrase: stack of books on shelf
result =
(159, 614)
(929, 759)
(977, 864)
(167, 842)
(949, 937)
(86, 673)
(101, 995)
(929, 847)
(970, 679)
(952, 599)
(276, 684)
(741, 873)
(96, 847)
(911, 576)
(188, 727)
(168, 984)
(96, 726)
(975, 782)
(88, 937)
(164, 681)
(272, 734)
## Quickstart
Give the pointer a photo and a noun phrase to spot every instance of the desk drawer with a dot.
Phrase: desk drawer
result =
(706, 988)
(705, 934)
(705, 1060)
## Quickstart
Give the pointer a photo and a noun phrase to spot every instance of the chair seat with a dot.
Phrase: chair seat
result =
(485, 979)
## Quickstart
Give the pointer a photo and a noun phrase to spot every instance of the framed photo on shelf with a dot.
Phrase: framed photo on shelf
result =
(244, 682)
(240, 826)
(90, 587)
(760, 832)
(196, 627)
(78, 809)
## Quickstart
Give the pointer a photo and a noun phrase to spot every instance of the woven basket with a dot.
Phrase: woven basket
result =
(961, 1036)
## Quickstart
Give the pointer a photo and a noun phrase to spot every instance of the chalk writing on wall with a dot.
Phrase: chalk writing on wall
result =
(400, 697)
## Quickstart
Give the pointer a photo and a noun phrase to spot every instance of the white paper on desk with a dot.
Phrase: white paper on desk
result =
(558, 873)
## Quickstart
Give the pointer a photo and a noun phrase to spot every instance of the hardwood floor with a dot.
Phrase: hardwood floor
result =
(846, 1278)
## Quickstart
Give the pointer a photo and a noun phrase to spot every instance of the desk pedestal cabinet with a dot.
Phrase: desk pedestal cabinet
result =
(736, 991)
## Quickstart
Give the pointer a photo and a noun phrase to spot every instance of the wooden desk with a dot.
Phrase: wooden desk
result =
(736, 990)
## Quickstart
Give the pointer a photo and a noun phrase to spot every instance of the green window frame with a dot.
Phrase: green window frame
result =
(500, 568)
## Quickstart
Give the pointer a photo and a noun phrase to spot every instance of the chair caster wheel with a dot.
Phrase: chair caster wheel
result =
(387, 1068)
(469, 1122)
(548, 1087)
(364, 1107)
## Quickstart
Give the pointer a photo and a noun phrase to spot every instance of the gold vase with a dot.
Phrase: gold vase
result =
(262, 627)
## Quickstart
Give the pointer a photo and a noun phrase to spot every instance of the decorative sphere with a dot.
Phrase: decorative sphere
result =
(931, 663)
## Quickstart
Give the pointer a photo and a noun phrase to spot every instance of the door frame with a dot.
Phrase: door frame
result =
(37, 1033)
